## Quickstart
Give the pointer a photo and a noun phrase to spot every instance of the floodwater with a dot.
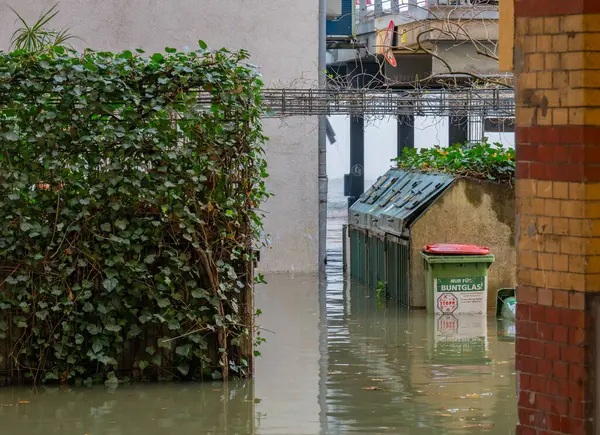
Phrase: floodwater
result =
(336, 361)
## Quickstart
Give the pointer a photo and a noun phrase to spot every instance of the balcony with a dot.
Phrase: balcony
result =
(373, 15)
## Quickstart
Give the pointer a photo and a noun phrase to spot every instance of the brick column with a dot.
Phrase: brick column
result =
(557, 65)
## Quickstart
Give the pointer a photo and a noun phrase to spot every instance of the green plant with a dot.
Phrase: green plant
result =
(381, 293)
(478, 160)
(129, 213)
(36, 37)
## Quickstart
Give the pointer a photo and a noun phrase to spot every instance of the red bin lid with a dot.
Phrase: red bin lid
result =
(453, 249)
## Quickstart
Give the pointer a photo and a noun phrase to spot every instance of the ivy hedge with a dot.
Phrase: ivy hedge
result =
(129, 213)
(483, 160)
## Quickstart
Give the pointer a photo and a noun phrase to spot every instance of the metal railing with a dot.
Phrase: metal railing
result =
(370, 9)
(442, 102)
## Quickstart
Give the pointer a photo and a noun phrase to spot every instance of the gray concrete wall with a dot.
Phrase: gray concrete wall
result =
(463, 58)
(472, 212)
(282, 39)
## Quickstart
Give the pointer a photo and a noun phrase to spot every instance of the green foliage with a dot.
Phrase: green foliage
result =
(37, 37)
(478, 160)
(128, 212)
(381, 293)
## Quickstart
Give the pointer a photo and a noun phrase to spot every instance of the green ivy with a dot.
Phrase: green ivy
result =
(477, 160)
(129, 213)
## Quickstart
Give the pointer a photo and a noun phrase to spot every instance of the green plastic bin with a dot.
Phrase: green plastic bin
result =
(456, 284)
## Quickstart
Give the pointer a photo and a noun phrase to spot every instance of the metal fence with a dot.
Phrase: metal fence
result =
(369, 9)
(419, 102)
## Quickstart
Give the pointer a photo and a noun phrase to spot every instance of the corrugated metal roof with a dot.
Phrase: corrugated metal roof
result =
(397, 199)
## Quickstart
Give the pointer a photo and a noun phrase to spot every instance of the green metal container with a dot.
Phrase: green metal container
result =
(344, 248)
(358, 256)
(457, 284)
(506, 303)
(397, 269)
(378, 228)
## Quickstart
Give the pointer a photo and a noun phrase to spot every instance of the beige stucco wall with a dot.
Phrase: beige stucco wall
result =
(282, 39)
(473, 212)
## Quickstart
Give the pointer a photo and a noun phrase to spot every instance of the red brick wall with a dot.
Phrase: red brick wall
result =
(557, 64)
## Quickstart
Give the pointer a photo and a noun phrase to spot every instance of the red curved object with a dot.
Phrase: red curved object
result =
(452, 249)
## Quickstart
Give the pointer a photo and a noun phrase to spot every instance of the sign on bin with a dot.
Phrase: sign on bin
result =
(460, 295)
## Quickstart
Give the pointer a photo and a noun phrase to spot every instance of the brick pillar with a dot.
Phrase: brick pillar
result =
(557, 65)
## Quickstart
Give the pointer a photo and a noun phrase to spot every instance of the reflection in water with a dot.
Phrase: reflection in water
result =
(339, 363)
(140, 409)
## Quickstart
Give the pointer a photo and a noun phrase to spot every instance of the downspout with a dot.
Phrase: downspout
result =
(322, 162)
(322, 141)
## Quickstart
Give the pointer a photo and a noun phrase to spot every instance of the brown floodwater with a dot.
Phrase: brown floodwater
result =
(336, 360)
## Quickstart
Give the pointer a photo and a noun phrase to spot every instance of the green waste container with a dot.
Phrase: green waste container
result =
(506, 304)
(456, 278)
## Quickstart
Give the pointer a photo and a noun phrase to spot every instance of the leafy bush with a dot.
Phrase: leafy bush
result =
(478, 160)
(128, 213)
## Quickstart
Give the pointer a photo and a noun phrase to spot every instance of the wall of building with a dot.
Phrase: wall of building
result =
(463, 58)
(473, 212)
(270, 31)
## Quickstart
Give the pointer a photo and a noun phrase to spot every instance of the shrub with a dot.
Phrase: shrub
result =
(128, 212)
(478, 160)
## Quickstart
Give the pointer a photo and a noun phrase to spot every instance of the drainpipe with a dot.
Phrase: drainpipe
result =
(322, 144)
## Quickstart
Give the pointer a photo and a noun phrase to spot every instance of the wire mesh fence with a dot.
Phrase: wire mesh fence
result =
(420, 102)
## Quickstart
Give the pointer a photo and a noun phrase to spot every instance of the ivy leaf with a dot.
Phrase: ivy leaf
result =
(164, 343)
(163, 303)
(111, 379)
(150, 350)
(199, 294)
(78, 339)
(121, 224)
(94, 329)
(97, 345)
(183, 350)
(142, 364)
(11, 136)
(113, 327)
(134, 331)
(106, 227)
(184, 369)
(110, 284)
(174, 324)
(145, 318)
(42, 314)
(202, 44)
